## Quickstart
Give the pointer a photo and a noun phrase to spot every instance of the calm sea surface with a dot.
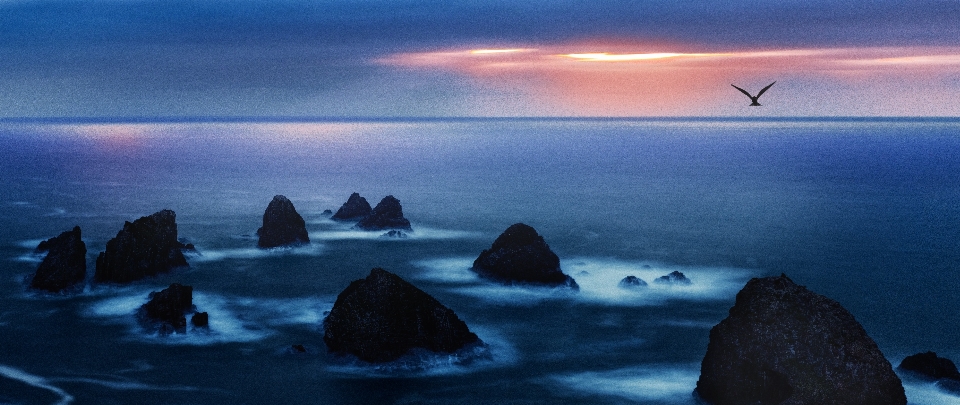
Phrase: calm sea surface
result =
(866, 212)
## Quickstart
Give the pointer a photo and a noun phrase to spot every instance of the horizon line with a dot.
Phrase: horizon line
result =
(401, 119)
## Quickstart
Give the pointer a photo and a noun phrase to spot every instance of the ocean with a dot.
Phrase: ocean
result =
(864, 211)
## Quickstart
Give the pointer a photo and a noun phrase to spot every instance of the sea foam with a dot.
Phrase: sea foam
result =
(657, 384)
(35, 381)
(418, 233)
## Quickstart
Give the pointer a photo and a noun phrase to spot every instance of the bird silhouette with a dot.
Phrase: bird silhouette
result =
(754, 98)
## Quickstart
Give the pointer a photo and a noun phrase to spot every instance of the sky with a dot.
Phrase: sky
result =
(486, 58)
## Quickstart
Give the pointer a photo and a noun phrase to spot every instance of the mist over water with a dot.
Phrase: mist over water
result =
(864, 212)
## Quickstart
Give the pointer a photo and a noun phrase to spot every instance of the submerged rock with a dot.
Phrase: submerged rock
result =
(145, 247)
(520, 255)
(930, 366)
(395, 234)
(282, 225)
(168, 308)
(783, 344)
(65, 264)
(354, 209)
(382, 317)
(674, 277)
(388, 214)
(632, 282)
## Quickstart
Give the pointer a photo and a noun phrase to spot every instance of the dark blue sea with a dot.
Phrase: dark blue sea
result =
(864, 211)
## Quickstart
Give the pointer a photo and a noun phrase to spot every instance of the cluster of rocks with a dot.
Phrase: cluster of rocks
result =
(674, 278)
(386, 216)
(521, 256)
(166, 310)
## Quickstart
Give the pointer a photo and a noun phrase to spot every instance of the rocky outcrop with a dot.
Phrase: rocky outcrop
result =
(354, 209)
(282, 225)
(520, 255)
(200, 320)
(388, 214)
(382, 317)
(674, 278)
(145, 247)
(65, 264)
(930, 366)
(630, 282)
(783, 344)
(167, 308)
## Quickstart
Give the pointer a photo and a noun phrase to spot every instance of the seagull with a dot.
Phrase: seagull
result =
(752, 98)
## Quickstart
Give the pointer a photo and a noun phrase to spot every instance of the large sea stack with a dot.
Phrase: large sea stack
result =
(388, 214)
(282, 225)
(520, 255)
(145, 247)
(354, 209)
(783, 344)
(65, 264)
(167, 308)
(382, 317)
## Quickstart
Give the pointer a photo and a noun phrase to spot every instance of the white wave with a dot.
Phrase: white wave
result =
(495, 352)
(666, 384)
(231, 319)
(212, 255)
(29, 243)
(418, 233)
(124, 385)
(35, 381)
(598, 279)
(927, 393)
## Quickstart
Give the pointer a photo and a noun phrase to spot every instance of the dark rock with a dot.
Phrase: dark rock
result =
(388, 214)
(168, 306)
(783, 344)
(948, 385)
(520, 255)
(632, 282)
(328, 213)
(354, 209)
(382, 317)
(282, 225)
(674, 277)
(146, 247)
(200, 320)
(64, 266)
(395, 234)
(929, 366)
(298, 349)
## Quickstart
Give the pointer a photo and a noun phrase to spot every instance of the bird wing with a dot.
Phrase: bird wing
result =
(765, 89)
(743, 91)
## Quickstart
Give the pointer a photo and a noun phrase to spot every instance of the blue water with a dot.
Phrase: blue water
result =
(864, 211)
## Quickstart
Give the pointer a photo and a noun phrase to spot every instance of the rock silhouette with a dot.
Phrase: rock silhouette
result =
(632, 282)
(388, 214)
(520, 255)
(354, 209)
(783, 344)
(65, 264)
(282, 225)
(169, 306)
(145, 247)
(675, 277)
(382, 317)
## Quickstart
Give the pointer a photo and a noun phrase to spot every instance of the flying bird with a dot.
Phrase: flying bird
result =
(752, 98)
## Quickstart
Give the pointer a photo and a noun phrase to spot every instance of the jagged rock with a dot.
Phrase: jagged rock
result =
(632, 282)
(395, 234)
(783, 344)
(930, 366)
(674, 277)
(388, 214)
(200, 320)
(354, 209)
(169, 306)
(282, 225)
(145, 247)
(520, 255)
(65, 264)
(382, 317)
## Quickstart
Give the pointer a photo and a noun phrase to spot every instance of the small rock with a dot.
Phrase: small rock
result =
(520, 255)
(395, 234)
(388, 214)
(632, 282)
(674, 277)
(354, 209)
(930, 366)
(200, 320)
(168, 307)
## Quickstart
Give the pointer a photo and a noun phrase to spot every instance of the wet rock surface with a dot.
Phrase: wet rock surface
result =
(520, 255)
(382, 317)
(282, 225)
(783, 344)
(64, 266)
(145, 247)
